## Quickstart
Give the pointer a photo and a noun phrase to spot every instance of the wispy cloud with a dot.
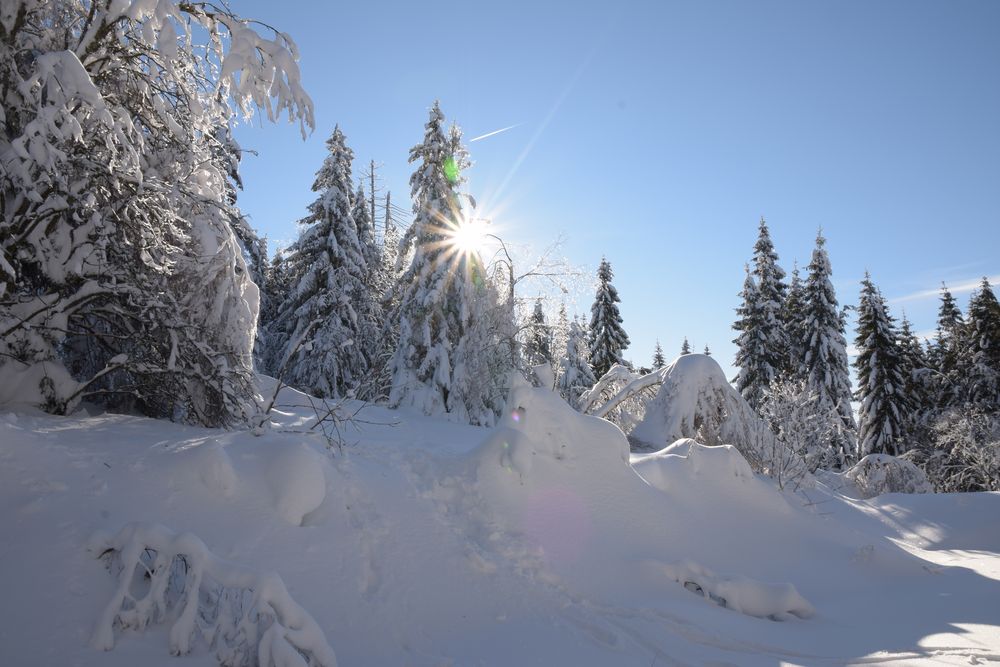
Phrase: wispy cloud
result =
(495, 132)
(955, 288)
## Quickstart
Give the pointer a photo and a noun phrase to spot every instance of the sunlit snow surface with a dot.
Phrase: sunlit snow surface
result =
(539, 542)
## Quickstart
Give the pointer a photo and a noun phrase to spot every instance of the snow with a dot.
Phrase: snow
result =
(419, 541)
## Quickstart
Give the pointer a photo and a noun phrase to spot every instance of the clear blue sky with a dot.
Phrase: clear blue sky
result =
(658, 133)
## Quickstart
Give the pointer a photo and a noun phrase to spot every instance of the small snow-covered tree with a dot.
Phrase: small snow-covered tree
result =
(754, 350)
(659, 361)
(560, 333)
(805, 425)
(707, 352)
(771, 294)
(607, 337)
(448, 360)
(945, 352)
(884, 404)
(575, 374)
(979, 358)
(793, 317)
(538, 344)
(824, 356)
(122, 276)
(685, 347)
(329, 305)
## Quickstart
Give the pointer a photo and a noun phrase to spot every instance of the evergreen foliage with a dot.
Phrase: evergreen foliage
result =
(607, 337)
(881, 385)
(538, 347)
(824, 357)
(326, 325)
(575, 374)
(448, 359)
(980, 357)
(659, 361)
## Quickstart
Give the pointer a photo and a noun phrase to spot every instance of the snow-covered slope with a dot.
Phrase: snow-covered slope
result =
(421, 542)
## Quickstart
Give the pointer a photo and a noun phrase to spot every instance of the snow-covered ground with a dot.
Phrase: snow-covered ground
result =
(539, 542)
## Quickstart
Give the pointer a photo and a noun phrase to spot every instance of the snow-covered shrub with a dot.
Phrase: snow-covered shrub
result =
(876, 474)
(246, 617)
(963, 452)
(809, 427)
(620, 396)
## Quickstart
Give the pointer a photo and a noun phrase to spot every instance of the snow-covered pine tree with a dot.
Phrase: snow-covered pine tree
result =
(884, 403)
(324, 324)
(277, 286)
(685, 346)
(122, 280)
(560, 332)
(607, 337)
(575, 375)
(538, 343)
(824, 356)
(448, 359)
(981, 358)
(370, 249)
(754, 350)
(945, 353)
(659, 361)
(707, 352)
(771, 292)
(916, 378)
(793, 317)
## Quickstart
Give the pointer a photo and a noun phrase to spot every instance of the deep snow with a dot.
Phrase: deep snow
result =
(542, 541)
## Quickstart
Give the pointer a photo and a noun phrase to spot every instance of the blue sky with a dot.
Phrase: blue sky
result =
(658, 133)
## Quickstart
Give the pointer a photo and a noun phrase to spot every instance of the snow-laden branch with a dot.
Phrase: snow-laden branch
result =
(247, 617)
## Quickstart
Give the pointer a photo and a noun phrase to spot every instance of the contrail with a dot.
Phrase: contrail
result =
(490, 134)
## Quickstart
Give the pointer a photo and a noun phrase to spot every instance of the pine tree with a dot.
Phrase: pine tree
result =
(915, 377)
(945, 353)
(753, 354)
(824, 357)
(659, 361)
(607, 337)
(793, 321)
(707, 352)
(981, 356)
(560, 333)
(881, 384)
(326, 324)
(685, 347)
(772, 292)
(448, 359)
(122, 276)
(575, 375)
(538, 347)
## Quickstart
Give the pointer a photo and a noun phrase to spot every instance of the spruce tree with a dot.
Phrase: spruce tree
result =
(707, 351)
(326, 323)
(538, 346)
(753, 348)
(824, 356)
(448, 358)
(685, 347)
(946, 351)
(659, 361)
(607, 337)
(881, 383)
(575, 374)
(793, 322)
(981, 356)
(771, 292)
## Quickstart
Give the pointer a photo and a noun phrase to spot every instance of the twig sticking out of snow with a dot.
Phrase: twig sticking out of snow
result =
(247, 617)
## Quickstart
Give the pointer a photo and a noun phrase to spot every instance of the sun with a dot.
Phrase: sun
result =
(468, 237)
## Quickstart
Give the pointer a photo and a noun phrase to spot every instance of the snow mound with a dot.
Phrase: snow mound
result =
(876, 474)
(215, 469)
(297, 482)
(248, 618)
(687, 459)
(539, 424)
(695, 401)
(748, 596)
